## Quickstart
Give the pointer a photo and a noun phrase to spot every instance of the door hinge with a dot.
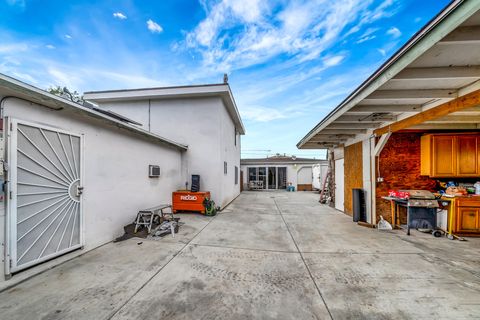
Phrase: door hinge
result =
(11, 126)
(10, 263)
(10, 195)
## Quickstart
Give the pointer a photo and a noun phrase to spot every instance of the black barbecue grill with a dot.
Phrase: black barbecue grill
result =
(421, 209)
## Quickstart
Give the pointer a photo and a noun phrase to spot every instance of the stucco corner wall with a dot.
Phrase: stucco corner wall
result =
(229, 153)
(116, 182)
(205, 126)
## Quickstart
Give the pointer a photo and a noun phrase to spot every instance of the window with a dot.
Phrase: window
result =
(252, 174)
(236, 175)
(225, 167)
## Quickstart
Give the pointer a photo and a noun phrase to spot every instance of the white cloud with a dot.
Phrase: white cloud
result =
(368, 32)
(69, 79)
(383, 52)
(333, 61)
(25, 77)
(367, 38)
(13, 47)
(119, 15)
(417, 19)
(153, 26)
(384, 10)
(367, 35)
(394, 32)
(261, 114)
(226, 13)
(50, 46)
(353, 30)
(80, 78)
(240, 34)
(68, 36)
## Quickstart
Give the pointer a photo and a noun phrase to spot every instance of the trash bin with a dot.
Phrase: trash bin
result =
(359, 207)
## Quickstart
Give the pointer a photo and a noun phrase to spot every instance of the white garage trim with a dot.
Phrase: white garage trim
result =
(339, 185)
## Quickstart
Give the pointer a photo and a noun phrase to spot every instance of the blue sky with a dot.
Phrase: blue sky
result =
(289, 62)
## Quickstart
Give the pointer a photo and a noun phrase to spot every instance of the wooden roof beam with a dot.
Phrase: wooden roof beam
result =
(467, 101)
(446, 126)
(438, 73)
(328, 141)
(467, 34)
(343, 131)
(412, 94)
(385, 108)
(319, 146)
(358, 125)
(370, 118)
(322, 135)
(456, 119)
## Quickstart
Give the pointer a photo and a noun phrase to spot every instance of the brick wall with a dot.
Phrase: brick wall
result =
(399, 164)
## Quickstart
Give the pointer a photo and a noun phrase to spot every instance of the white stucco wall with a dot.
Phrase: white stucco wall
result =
(229, 152)
(305, 175)
(201, 123)
(115, 170)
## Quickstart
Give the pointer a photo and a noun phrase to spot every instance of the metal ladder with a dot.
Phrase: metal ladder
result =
(326, 193)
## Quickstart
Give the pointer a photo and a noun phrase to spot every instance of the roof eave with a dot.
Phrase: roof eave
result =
(41, 97)
(211, 90)
(430, 34)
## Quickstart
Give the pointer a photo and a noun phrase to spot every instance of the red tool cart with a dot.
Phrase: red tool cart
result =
(189, 201)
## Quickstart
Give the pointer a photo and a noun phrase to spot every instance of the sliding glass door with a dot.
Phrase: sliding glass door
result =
(282, 177)
(262, 176)
(272, 178)
(257, 178)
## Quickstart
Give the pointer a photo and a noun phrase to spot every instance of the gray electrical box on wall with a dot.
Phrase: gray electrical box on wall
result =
(153, 171)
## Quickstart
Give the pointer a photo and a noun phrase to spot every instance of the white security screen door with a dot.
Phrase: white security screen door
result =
(45, 218)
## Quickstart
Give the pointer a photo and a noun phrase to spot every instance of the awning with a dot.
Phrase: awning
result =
(437, 65)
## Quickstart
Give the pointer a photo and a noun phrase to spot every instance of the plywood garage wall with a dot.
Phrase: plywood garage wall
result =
(353, 173)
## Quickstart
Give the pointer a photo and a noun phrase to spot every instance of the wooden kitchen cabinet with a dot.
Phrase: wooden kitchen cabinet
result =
(468, 216)
(467, 156)
(478, 155)
(450, 156)
(464, 213)
(443, 156)
(467, 219)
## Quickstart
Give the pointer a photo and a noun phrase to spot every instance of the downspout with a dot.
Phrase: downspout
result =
(331, 181)
(149, 114)
(5, 188)
(373, 181)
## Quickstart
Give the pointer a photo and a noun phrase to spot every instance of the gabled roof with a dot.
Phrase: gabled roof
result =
(193, 91)
(13, 88)
(438, 64)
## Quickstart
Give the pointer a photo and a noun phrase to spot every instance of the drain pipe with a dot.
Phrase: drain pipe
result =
(373, 180)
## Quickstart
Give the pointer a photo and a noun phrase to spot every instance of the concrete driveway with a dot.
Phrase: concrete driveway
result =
(269, 255)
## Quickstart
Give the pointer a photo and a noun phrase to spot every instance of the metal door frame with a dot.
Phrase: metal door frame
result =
(339, 192)
(10, 132)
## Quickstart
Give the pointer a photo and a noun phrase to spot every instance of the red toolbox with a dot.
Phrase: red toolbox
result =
(189, 201)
